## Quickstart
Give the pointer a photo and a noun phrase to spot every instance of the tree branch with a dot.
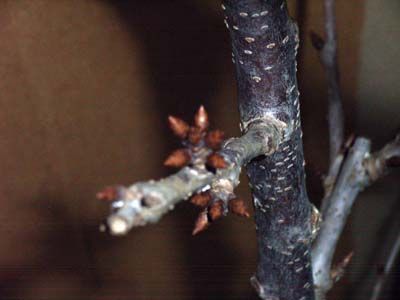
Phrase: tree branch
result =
(381, 162)
(264, 43)
(328, 54)
(347, 175)
(352, 179)
(359, 170)
(147, 202)
(329, 60)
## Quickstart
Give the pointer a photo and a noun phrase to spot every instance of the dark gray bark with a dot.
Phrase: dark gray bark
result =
(264, 43)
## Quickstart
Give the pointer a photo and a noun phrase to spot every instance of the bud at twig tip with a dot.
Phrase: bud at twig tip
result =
(179, 127)
(201, 118)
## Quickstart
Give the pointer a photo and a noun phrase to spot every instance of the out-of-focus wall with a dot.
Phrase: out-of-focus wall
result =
(378, 85)
(86, 86)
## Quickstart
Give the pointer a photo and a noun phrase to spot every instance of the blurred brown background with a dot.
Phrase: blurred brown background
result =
(86, 86)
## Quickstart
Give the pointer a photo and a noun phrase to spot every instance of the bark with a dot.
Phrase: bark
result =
(264, 43)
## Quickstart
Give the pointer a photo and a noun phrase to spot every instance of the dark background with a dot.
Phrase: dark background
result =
(85, 90)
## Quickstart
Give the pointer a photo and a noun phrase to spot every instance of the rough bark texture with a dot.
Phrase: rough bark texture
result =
(264, 42)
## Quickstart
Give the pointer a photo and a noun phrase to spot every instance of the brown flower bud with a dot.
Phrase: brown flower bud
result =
(201, 199)
(179, 127)
(238, 207)
(216, 161)
(177, 159)
(201, 118)
(214, 139)
(109, 193)
(216, 210)
(201, 223)
(195, 135)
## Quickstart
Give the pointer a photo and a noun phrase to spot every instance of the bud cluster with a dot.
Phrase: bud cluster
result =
(200, 152)
(201, 147)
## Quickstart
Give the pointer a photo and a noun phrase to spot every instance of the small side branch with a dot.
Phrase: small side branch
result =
(380, 163)
(146, 202)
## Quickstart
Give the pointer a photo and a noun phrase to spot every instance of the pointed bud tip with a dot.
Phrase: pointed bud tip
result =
(201, 118)
(179, 127)
(201, 223)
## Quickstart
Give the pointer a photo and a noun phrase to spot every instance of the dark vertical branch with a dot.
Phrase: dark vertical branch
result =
(329, 59)
(328, 54)
(265, 42)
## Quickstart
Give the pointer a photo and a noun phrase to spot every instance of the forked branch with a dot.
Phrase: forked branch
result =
(360, 169)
